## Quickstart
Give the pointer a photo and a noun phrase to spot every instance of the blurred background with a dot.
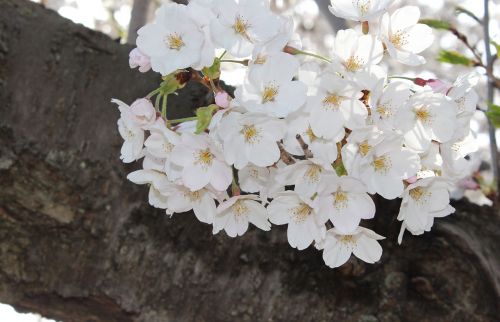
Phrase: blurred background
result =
(120, 19)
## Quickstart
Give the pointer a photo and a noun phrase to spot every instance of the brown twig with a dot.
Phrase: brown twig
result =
(285, 156)
(305, 147)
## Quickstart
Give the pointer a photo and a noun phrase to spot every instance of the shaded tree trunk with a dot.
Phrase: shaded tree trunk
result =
(141, 10)
(79, 243)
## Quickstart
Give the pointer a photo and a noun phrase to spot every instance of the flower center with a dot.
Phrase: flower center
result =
(205, 158)
(313, 173)
(241, 26)
(250, 132)
(418, 193)
(332, 101)
(269, 94)
(301, 212)
(362, 5)
(381, 164)
(239, 209)
(340, 199)
(260, 60)
(194, 196)
(353, 64)
(423, 115)
(310, 134)
(399, 39)
(174, 41)
(347, 239)
(383, 111)
(364, 148)
(167, 147)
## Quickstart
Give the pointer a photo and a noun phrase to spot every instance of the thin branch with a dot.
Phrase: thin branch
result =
(285, 156)
(307, 153)
(491, 93)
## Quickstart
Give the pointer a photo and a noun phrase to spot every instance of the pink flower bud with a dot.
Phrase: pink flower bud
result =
(222, 99)
(138, 59)
(439, 86)
(469, 184)
(143, 111)
(412, 180)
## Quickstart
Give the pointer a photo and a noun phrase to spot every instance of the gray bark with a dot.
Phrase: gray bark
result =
(141, 10)
(79, 243)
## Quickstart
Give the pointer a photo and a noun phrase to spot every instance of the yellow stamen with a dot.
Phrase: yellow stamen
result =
(310, 134)
(269, 94)
(301, 212)
(340, 199)
(174, 41)
(363, 6)
(313, 173)
(332, 101)
(239, 208)
(353, 64)
(347, 239)
(399, 39)
(381, 164)
(241, 26)
(417, 193)
(250, 132)
(423, 115)
(364, 148)
(205, 158)
(383, 111)
(260, 60)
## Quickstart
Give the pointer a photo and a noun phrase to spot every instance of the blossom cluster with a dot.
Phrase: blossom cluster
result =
(302, 145)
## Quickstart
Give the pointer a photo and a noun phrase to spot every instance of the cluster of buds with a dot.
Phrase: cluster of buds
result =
(307, 147)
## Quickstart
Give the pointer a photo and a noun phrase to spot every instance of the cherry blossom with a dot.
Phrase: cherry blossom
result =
(234, 215)
(306, 143)
(363, 243)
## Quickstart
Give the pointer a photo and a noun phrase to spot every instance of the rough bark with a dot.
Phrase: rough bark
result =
(79, 243)
(141, 10)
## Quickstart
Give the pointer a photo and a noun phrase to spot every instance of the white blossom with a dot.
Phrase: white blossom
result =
(272, 91)
(251, 138)
(174, 40)
(305, 225)
(359, 10)
(234, 215)
(363, 243)
(345, 201)
(422, 202)
(202, 163)
(404, 37)
(240, 25)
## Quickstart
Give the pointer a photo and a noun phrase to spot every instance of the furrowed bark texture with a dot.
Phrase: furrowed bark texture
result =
(79, 243)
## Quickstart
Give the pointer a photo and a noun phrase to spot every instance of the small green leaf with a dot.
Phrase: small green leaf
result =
(204, 117)
(436, 24)
(213, 72)
(493, 114)
(497, 47)
(169, 85)
(340, 169)
(455, 58)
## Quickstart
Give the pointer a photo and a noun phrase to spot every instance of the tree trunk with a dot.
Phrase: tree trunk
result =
(80, 243)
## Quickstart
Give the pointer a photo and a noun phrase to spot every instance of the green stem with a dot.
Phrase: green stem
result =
(242, 62)
(153, 93)
(402, 77)
(223, 54)
(186, 119)
(305, 53)
(157, 102)
(164, 106)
